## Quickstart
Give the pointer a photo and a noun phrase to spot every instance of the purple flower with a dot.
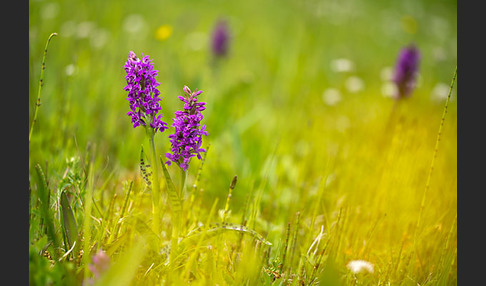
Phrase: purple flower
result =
(143, 94)
(220, 39)
(101, 263)
(187, 138)
(406, 71)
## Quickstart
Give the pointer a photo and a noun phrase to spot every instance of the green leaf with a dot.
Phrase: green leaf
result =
(45, 211)
(69, 222)
(174, 196)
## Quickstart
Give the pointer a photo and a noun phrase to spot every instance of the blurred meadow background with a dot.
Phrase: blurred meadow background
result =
(330, 167)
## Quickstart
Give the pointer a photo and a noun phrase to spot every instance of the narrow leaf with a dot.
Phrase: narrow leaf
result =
(174, 196)
(69, 222)
(44, 200)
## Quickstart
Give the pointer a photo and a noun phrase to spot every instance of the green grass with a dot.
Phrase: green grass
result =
(318, 185)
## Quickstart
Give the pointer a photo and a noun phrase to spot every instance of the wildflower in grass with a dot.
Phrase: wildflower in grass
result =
(144, 107)
(220, 39)
(331, 96)
(163, 32)
(358, 266)
(101, 263)
(406, 71)
(187, 138)
(342, 65)
(143, 94)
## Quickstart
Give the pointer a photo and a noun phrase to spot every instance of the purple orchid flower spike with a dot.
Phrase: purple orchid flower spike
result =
(406, 71)
(143, 94)
(187, 138)
(220, 39)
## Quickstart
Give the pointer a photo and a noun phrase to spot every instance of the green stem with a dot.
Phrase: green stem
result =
(427, 184)
(155, 182)
(87, 223)
(174, 239)
(177, 219)
(176, 206)
(183, 182)
(41, 83)
(228, 198)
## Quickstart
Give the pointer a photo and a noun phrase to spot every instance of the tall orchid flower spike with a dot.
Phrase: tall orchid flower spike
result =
(143, 94)
(186, 140)
(406, 71)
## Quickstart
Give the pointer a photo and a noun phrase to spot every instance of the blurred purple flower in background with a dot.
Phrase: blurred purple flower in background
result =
(143, 93)
(406, 71)
(220, 39)
(187, 138)
(101, 263)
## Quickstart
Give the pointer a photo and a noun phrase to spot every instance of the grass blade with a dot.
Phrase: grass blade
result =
(122, 214)
(217, 228)
(124, 270)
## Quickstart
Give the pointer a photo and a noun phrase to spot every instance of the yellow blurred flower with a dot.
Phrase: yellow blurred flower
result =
(163, 32)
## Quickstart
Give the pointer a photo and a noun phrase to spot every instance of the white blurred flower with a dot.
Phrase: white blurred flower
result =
(342, 65)
(437, 23)
(133, 23)
(99, 38)
(70, 69)
(440, 92)
(389, 89)
(49, 10)
(196, 41)
(68, 29)
(439, 54)
(354, 84)
(386, 74)
(358, 266)
(331, 96)
(84, 29)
